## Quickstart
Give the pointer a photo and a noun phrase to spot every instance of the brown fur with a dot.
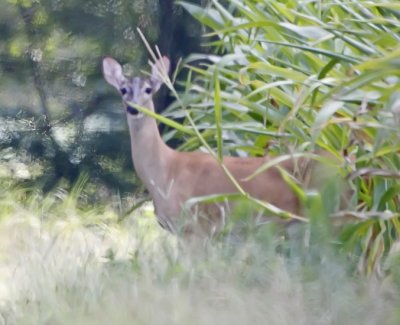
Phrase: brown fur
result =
(174, 177)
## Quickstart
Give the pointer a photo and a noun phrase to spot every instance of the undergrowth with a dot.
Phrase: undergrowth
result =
(62, 263)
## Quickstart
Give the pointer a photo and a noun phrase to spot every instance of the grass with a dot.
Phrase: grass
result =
(297, 76)
(64, 263)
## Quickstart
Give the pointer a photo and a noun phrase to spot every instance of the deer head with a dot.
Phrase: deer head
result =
(136, 90)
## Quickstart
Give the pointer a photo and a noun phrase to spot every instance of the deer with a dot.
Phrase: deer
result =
(172, 177)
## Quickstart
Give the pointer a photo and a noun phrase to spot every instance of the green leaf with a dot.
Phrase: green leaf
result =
(209, 17)
(315, 32)
(218, 114)
(269, 69)
(162, 119)
(326, 113)
(316, 50)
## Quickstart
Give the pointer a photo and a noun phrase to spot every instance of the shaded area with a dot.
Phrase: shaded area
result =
(58, 117)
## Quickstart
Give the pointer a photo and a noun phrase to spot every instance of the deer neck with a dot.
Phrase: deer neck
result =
(151, 156)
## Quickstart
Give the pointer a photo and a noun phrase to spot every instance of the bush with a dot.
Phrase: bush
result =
(295, 76)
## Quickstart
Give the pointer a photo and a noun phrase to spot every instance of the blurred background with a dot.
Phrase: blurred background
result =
(58, 118)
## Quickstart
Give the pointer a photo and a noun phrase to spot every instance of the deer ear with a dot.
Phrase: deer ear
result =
(159, 72)
(112, 72)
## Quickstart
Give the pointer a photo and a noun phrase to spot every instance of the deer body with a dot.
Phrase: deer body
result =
(173, 177)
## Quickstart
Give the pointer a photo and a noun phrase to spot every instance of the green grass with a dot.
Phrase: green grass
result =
(64, 263)
(297, 76)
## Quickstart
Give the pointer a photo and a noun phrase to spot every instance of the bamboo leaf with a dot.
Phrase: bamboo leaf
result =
(218, 114)
(329, 54)
(162, 119)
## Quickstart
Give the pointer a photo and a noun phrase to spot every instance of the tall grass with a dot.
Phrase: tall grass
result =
(294, 76)
(58, 269)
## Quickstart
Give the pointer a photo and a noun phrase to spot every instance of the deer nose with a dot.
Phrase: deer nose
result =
(131, 110)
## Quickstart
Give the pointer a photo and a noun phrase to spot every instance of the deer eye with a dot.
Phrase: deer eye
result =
(123, 91)
(148, 90)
